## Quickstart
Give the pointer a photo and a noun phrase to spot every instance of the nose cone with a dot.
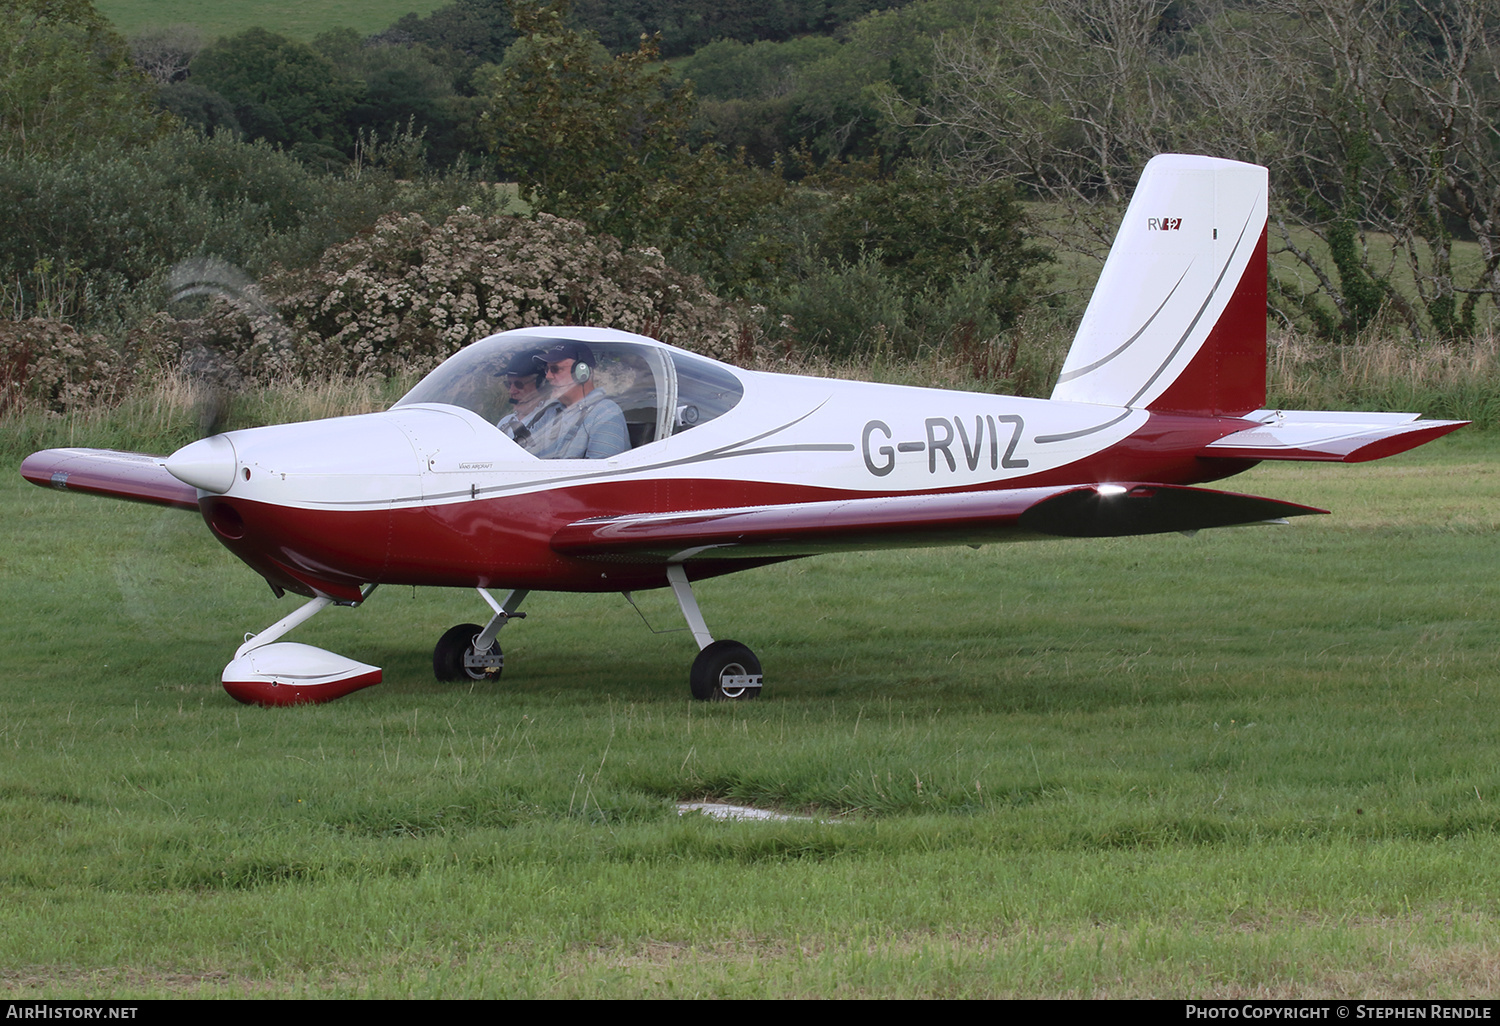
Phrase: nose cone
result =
(208, 463)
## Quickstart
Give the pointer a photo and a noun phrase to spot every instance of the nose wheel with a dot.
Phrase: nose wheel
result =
(455, 658)
(470, 652)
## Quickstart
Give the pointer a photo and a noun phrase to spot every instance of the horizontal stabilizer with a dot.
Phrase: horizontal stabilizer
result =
(908, 521)
(1328, 436)
(119, 475)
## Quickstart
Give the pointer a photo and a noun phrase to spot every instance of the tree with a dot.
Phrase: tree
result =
(1376, 118)
(199, 108)
(685, 25)
(930, 232)
(1066, 98)
(824, 94)
(749, 95)
(598, 138)
(480, 30)
(273, 80)
(164, 54)
(405, 88)
(1403, 102)
(408, 293)
(67, 83)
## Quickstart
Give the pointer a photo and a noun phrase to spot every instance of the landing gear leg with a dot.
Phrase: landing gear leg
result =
(266, 671)
(469, 652)
(304, 612)
(724, 670)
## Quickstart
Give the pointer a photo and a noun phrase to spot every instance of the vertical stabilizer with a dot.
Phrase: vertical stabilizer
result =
(1178, 320)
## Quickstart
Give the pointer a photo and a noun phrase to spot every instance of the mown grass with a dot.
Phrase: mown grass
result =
(1258, 762)
(288, 17)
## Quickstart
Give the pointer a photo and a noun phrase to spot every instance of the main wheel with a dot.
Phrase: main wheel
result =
(457, 643)
(719, 671)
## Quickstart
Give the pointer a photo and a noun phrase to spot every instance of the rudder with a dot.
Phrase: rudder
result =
(1177, 322)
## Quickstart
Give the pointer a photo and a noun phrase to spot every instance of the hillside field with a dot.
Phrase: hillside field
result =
(300, 20)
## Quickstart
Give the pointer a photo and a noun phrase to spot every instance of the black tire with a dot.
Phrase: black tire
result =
(457, 642)
(717, 661)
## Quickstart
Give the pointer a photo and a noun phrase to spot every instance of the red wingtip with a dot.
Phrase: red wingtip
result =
(1393, 444)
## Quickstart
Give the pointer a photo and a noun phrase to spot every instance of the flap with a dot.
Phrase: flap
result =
(904, 521)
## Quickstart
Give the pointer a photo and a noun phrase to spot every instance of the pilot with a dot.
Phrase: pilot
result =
(526, 381)
(583, 423)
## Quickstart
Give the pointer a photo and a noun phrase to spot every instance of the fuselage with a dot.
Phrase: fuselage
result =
(434, 494)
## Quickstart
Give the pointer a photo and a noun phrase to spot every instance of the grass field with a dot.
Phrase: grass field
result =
(300, 20)
(1256, 762)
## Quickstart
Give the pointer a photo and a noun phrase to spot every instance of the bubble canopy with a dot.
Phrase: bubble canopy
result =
(662, 391)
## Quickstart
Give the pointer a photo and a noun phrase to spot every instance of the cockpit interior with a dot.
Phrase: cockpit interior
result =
(661, 391)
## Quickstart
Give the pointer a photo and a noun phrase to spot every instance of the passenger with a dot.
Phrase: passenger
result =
(526, 381)
(584, 423)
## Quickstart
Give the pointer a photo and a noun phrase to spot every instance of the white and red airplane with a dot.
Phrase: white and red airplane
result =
(727, 469)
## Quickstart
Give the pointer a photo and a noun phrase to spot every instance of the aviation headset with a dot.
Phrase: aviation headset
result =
(581, 355)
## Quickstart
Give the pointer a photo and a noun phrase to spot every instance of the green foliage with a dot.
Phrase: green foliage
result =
(403, 87)
(588, 136)
(67, 82)
(843, 308)
(703, 212)
(302, 94)
(1363, 296)
(45, 364)
(913, 259)
(905, 261)
(863, 307)
(843, 100)
(1376, 121)
(199, 108)
(409, 293)
(117, 221)
(685, 25)
(728, 69)
(929, 230)
(750, 95)
(481, 28)
(478, 30)
(825, 95)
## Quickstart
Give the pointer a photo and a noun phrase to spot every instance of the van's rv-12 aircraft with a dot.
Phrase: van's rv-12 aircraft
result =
(726, 469)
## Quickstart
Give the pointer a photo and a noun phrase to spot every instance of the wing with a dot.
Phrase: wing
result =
(953, 518)
(120, 475)
(1328, 437)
